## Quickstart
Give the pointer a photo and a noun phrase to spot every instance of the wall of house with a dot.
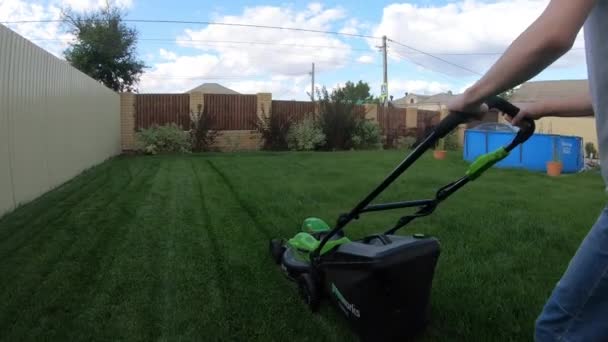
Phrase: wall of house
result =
(581, 127)
(54, 121)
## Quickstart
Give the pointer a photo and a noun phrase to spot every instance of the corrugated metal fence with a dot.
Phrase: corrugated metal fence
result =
(232, 112)
(55, 121)
(162, 109)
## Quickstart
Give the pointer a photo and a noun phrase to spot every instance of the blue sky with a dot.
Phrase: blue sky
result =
(468, 33)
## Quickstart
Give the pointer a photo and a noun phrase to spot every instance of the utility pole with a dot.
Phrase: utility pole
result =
(384, 92)
(312, 89)
(385, 64)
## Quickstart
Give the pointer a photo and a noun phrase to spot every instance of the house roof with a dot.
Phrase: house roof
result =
(440, 98)
(212, 88)
(543, 90)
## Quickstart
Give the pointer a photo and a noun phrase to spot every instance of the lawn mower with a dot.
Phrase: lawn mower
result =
(381, 283)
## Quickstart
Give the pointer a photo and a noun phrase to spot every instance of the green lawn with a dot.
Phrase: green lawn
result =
(175, 247)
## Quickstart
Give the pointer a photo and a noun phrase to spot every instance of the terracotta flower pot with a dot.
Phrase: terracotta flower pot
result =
(439, 154)
(554, 169)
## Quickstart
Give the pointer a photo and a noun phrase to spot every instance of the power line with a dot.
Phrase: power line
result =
(148, 21)
(474, 53)
(405, 58)
(269, 53)
(163, 77)
(438, 58)
(223, 42)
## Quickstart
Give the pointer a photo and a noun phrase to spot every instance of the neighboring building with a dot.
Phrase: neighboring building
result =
(531, 92)
(212, 88)
(424, 102)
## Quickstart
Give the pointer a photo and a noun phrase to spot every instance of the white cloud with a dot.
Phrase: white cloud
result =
(366, 59)
(89, 5)
(282, 88)
(180, 74)
(462, 27)
(168, 55)
(289, 56)
(398, 88)
(50, 36)
(46, 35)
(352, 27)
(286, 63)
(315, 7)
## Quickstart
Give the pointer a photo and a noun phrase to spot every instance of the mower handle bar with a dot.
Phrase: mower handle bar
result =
(450, 122)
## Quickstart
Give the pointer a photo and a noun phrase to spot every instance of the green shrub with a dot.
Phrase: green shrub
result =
(406, 142)
(273, 130)
(202, 133)
(169, 138)
(367, 135)
(451, 142)
(337, 118)
(305, 135)
(590, 150)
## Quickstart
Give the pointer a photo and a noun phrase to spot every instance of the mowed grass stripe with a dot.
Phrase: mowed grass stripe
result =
(128, 302)
(18, 229)
(66, 274)
(32, 263)
(260, 282)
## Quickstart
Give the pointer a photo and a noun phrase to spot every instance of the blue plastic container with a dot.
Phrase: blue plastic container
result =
(532, 155)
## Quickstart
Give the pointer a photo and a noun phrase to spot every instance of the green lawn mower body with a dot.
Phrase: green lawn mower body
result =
(381, 283)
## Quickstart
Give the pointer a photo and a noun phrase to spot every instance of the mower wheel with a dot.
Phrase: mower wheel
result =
(276, 250)
(309, 291)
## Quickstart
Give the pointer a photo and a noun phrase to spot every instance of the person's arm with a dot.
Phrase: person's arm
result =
(568, 107)
(547, 39)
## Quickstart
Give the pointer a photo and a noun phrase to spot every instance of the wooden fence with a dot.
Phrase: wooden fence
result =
(240, 112)
(232, 112)
(392, 120)
(162, 109)
(427, 120)
(292, 111)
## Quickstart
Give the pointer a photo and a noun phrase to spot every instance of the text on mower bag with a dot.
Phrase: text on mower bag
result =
(344, 303)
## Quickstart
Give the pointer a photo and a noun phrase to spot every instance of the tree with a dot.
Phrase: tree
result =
(356, 93)
(105, 48)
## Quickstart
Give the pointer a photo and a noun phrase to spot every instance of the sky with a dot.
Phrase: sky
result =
(434, 46)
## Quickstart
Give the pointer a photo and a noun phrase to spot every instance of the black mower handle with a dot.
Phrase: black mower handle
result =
(527, 126)
(446, 125)
(454, 119)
